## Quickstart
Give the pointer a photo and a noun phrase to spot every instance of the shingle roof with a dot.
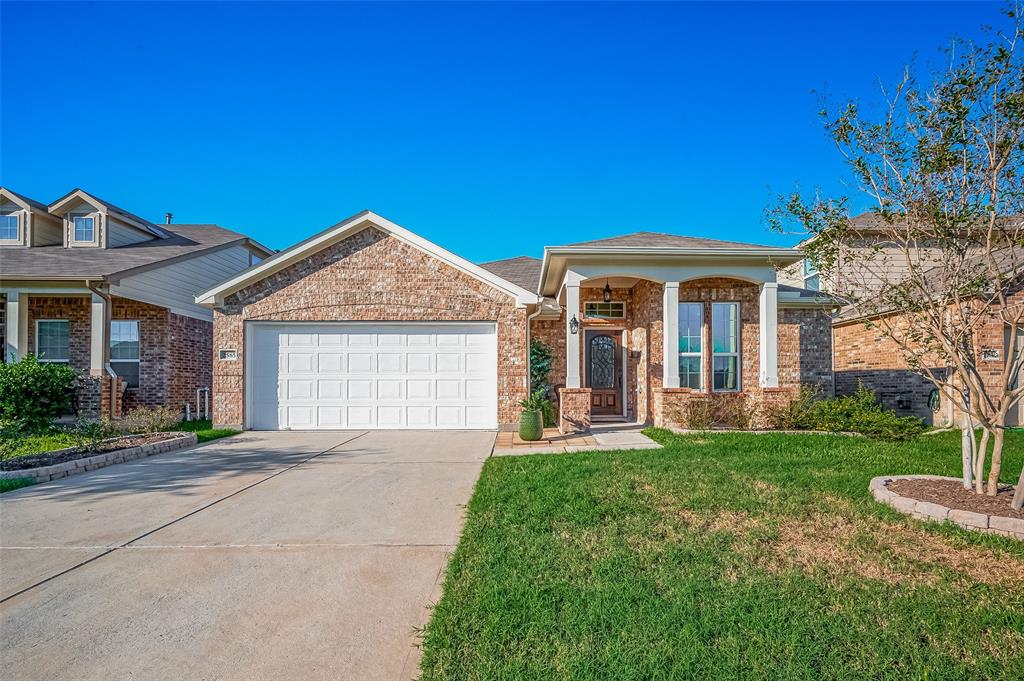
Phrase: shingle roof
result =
(660, 240)
(522, 271)
(49, 262)
(32, 202)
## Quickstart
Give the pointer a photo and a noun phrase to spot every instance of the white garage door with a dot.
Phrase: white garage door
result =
(374, 375)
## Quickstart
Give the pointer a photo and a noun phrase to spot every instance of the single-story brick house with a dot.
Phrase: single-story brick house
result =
(89, 284)
(367, 325)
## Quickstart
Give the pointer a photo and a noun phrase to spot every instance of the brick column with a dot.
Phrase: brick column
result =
(573, 410)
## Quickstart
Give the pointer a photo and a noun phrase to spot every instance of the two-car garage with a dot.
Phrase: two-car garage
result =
(309, 376)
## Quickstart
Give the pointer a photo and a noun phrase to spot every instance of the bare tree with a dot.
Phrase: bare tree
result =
(938, 264)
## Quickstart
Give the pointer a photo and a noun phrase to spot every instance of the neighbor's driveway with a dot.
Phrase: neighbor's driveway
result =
(263, 556)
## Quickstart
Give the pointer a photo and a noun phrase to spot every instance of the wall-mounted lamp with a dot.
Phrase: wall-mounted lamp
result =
(574, 325)
(607, 292)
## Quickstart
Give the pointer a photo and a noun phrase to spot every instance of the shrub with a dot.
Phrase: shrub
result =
(857, 413)
(540, 364)
(715, 411)
(550, 416)
(145, 420)
(695, 414)
(93, 432)
(34, 393)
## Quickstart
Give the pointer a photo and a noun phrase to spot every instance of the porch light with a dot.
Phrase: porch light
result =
(574, 325)
(607, 292)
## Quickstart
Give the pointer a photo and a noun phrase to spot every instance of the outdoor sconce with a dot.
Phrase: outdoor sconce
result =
(574, 325)
(607, 292)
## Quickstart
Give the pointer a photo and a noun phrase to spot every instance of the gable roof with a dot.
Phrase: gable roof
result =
(57, 262)
(132, 219)
(522, 270)
(346, 228)
(661, 240)
(22, 200)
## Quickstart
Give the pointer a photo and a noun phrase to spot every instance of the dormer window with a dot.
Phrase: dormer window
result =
(9, 227)
(84, 228)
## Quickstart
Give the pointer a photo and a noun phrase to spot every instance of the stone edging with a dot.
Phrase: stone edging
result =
(91, 463)
(926, 510)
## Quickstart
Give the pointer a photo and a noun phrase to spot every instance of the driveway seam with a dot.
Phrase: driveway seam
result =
(191, 513)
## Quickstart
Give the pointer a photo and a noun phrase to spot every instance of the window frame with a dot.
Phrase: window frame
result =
(73, 239)
(588, 315)
(137, 361)
(16, 239)
(810, 271)
(38, 336)
(690, 354)
(738, 353)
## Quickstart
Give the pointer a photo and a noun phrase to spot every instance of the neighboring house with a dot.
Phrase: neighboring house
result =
(367, 325)
(863, 355)
(89, 284)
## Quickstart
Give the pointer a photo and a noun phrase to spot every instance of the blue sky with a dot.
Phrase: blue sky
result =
(492, 129)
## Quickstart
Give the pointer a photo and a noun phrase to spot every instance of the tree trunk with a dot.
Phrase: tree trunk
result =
(979, 463)
(1018, 495)
(967, 455)
(997, 462)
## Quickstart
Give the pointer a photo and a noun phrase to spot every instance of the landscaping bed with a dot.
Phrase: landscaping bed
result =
(84, 451)
(951, 494)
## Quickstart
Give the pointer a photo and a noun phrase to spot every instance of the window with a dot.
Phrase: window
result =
(812, 280)
(602, 310)
(124, 350)
(84, 228)
(52, 340)
(691, 325)
(9, 227)
(725, 346)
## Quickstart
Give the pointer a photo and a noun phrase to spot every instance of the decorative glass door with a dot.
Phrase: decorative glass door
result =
(604, 372)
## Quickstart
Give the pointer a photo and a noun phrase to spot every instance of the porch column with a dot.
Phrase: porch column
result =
(572, 340)
(99, 336)
(670, 316)
(16, 341)
(769, 345)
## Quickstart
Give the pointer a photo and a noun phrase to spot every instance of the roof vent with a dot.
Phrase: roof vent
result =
(168, 217)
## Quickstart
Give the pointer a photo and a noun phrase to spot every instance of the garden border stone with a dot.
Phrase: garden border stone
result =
(91, 463)
(926, 510)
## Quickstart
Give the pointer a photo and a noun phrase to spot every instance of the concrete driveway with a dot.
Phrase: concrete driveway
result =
(263, 556)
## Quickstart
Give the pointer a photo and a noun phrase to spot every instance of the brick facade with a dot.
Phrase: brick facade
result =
(369, 276)
(804, 343)
(574, 410)
(174, 353)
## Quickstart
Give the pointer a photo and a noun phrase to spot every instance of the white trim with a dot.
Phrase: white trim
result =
(19, 229)
(738, 354)
(346, 228)
(670, 335)
(36, 344)
(768, 343)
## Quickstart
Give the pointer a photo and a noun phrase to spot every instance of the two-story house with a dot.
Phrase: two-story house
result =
(92, 285)
(863, 355)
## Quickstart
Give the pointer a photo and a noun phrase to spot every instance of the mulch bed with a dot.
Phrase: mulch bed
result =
(951, 494)
(60, 456)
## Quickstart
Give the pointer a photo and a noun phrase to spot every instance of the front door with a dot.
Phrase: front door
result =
(604, 372)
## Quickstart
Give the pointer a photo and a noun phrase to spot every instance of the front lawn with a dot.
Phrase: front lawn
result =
(204, 430)
(725, 556)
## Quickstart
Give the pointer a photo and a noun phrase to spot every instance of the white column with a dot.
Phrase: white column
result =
(16, 341)
(769, 346)
(99, 335)
(572, 340)
(670, 316)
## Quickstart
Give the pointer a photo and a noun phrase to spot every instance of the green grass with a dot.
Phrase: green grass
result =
(27, 445)
(731, 556)
(17, 483)
(204, 430)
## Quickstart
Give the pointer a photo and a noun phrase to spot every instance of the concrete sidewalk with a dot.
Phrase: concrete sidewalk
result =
(263, 556)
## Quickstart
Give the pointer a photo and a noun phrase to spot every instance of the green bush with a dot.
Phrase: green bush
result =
(34, 393)
(857, 413)
(94, 432)
(540, 365)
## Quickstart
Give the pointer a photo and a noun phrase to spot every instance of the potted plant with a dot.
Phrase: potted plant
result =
(531, 421)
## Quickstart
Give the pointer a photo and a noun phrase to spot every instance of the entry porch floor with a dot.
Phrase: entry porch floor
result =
(601, 436)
